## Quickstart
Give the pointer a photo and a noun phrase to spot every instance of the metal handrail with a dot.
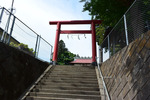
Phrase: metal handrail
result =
(31, 30)
(104, 85)
(26, 26)
(46, 42)
(118, 22)
(112, 30)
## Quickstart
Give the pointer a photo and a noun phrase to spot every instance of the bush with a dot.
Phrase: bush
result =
(23, 47)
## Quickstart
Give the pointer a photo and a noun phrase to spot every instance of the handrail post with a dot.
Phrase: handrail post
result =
(11, 30)
(36, 45)
(39, 40)
(113, 52)
(126, 30)
(1, 14)
(108, 45)
(5, 32)
(51, 53)
(104, 85)
(147, 25)
(100, 54)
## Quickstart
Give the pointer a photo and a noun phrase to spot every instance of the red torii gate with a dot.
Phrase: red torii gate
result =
(59, 31)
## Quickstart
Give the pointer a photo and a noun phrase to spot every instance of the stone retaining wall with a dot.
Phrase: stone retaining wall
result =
(18, 71)
(127, 73)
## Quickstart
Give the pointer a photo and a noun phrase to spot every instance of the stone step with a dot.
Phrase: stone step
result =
(60, 95)
(67, 88)
(71, 78)
(71, 74)
(70, 81)
(79, 67)
(69, 84)
(52, 98)
(73, 71)
(67, 91)
(48, 98)
(75, 68)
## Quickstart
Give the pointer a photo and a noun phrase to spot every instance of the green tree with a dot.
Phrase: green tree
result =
(109, 11)
(23, 47)
(64, 56)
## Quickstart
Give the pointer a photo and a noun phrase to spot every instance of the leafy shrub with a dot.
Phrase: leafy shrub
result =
(23, 47)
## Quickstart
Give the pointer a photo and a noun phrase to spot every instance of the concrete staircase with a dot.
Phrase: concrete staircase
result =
(67, 83)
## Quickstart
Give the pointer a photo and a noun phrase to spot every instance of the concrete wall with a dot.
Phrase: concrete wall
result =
(127, 73)
(17, 71)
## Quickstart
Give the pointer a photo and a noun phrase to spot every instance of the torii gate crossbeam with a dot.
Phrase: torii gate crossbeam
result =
(59, 31)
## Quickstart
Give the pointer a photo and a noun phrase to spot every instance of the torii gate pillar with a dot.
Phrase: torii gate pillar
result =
(92, 31)
(93, 44)
(56, 43)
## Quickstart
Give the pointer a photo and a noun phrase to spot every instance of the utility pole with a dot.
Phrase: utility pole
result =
(5, 32)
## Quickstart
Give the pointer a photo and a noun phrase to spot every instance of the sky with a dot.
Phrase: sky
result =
(37, 14)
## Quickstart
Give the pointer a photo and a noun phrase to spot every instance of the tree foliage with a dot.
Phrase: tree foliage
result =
(23, 47)
(109, 11)
(64, 56)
